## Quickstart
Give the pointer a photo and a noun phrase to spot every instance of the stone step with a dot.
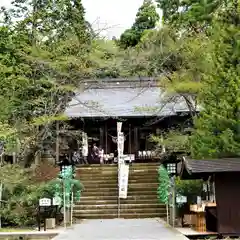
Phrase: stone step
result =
(115, 190)
(115, 181)
(80, 212)
(137, 197)
(115, 201)
(136, 165)
(100, 196)
(140, 185)
(112, 170)
(139, 176)
(122, 215)
(103, 168)
(115, 206)
(106, 170)
(115, 185)
(106, 175)
(131, 179)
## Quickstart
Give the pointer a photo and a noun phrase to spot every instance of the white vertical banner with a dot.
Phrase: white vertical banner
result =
(123, 180)
(119, 127)
(120, 144)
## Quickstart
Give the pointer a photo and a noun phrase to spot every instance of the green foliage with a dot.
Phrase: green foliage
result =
(217, 131)
(190, 15)
(173, 141)
(105, 59)
(21, 196)
(146, 18)
(179, 62)
(189, 188)
(164, 185)
(44, 50)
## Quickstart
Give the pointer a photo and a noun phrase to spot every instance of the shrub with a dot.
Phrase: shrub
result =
(189, 188)
(21, 196)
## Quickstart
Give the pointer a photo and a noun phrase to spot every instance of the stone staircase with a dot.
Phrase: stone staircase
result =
(100, 198)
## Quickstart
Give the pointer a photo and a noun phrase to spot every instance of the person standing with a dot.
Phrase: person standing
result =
(95, 154)
(101, 154)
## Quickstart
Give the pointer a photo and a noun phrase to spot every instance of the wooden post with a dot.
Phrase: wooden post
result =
(136, 146)
(1, 190)
(64, 206)
(173, 200)
(71, 219)
(101, 136)
(57, 143)
(130, 139)
(106, 138)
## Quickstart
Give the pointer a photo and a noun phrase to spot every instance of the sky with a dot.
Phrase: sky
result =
(112, 15)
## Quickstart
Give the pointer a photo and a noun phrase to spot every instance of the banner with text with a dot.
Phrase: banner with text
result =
(123, 180)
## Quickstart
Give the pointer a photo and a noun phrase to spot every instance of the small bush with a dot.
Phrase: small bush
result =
(189, 188)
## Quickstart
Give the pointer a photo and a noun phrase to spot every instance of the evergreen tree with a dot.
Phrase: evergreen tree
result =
(217, 131)
(146, 18)
(191, 15)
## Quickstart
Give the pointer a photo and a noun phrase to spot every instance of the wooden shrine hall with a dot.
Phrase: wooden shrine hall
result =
(138, 103)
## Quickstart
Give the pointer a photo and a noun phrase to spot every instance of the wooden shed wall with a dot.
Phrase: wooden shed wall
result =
(228, 202)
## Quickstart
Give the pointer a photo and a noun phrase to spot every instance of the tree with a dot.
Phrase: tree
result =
(105, 59)
(217, 129)
(191, 15)
(49, 19)
(179, 62)
(43, 59)
(146, 18)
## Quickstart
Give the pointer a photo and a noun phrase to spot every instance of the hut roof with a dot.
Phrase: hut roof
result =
(196, 169)
(124, 98)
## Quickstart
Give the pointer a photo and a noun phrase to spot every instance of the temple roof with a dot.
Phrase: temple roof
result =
(123, 98)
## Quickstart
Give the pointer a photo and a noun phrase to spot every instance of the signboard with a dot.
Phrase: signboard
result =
(123, 180)
(129, 157)
(45, 202)
(199, 200)
(181, 199)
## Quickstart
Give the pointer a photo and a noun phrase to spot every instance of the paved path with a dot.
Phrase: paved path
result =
(121, 229)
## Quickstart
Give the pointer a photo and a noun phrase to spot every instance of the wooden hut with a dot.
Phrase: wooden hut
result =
(222, 211)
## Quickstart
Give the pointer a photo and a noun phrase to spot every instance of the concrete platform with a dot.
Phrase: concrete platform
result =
(121, 229)
(190, 233)
(30, 235)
